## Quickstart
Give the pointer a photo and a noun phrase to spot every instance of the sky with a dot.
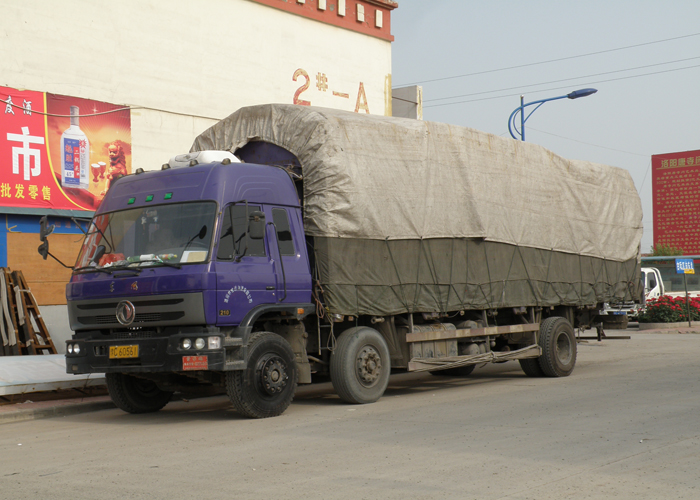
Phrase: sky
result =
(475, 58)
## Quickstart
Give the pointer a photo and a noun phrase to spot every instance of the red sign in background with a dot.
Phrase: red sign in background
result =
(33, 154)
(676, 200)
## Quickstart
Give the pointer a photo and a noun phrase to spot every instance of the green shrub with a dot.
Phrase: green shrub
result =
(665, 250)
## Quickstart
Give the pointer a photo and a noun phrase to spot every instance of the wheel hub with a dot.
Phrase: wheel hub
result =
(369, 365)
(273, 375)
(563, 347)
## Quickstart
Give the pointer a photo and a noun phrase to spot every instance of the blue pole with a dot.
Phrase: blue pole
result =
(511, 120)
(522, 118)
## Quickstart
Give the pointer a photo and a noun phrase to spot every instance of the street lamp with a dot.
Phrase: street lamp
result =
(511, 121)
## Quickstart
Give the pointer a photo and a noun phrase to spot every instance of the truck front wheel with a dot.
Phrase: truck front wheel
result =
(558, 344)
(135, 395)
(360, 365)
(267, 385)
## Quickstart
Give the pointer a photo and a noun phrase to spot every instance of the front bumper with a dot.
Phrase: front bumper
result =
(154, 354)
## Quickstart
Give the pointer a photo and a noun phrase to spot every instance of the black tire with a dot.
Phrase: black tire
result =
(461, 371)
(531, 367)
(558, 343)
(136, 395)
(360, 365)
(267, 385)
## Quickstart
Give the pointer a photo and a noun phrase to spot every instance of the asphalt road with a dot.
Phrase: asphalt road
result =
(623, 425)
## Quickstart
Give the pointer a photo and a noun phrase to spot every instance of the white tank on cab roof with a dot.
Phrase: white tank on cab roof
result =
(199, 157)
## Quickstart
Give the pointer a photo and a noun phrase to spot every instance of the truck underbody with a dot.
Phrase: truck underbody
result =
(260, 363)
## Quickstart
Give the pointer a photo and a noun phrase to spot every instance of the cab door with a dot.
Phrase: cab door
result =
(288, 246)
(245, 275)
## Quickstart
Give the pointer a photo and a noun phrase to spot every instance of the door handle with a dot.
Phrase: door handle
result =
(269, 288)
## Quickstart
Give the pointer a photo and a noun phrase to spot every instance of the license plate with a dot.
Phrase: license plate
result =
(123, 351)
(195, 363)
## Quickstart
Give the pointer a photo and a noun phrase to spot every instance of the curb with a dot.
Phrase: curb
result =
(667, 326)
(51, 409)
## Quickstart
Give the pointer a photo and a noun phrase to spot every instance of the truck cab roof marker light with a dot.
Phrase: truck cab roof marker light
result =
(139, 171)
(149, 197)
(165, 166)
(168, 195)
(131, 201)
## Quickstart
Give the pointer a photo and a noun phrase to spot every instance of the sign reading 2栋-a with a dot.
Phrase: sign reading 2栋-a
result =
(59, 152)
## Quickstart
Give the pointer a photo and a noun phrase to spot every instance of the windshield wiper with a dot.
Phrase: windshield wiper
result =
(161, 261)
(93, 269)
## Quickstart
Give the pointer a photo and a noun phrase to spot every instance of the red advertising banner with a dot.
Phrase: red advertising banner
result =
(675, 188)
(59, 152)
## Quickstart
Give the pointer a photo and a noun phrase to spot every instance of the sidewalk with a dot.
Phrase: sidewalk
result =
(34, 387)
(27, 374)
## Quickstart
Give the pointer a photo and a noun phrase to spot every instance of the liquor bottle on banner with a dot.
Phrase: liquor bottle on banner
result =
(75, 161)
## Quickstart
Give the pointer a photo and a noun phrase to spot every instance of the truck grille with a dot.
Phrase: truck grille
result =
(132, 335)
(108, 319)
(151, 311)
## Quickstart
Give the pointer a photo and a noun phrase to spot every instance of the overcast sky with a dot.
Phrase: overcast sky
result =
(648, 99)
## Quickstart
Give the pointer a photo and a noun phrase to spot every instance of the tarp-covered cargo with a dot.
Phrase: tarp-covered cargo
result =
(418, 216)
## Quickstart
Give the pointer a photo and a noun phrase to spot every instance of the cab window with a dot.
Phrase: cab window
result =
(234, 241)
(284, 233)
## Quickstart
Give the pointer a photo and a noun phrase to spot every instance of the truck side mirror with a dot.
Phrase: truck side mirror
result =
(44, 249)
(256, 228)
(45, 229)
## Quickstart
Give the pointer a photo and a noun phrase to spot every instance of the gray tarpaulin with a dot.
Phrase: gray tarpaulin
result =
(397, 203)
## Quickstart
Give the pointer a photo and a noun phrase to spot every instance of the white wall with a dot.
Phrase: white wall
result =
(56, 321)
(190, 63)
(182, 65)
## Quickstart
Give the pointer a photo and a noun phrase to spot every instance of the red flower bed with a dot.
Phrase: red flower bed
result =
(670, 310)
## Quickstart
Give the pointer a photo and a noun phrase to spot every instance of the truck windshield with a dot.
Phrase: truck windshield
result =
(172, 234)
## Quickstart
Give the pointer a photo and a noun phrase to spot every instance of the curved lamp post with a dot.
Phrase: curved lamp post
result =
(511, 121)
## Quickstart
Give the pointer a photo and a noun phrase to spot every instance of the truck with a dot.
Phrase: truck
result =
(662, 280)
(295, 243)
(617, 315)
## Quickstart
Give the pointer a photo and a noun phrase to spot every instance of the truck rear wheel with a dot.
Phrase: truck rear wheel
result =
(136, 395)
(360, 365)
(267, 385)
(558, 344)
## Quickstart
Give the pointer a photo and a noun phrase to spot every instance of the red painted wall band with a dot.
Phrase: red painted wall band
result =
(349, 21)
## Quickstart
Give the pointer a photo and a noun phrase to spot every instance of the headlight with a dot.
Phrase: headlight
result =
(76, 349)
(70, 348)
(214, 342)
(199, 344)
(186, 343)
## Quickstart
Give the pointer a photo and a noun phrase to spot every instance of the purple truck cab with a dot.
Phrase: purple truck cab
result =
(171, 279)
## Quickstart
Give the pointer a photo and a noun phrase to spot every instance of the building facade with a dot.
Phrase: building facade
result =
(140, 80)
